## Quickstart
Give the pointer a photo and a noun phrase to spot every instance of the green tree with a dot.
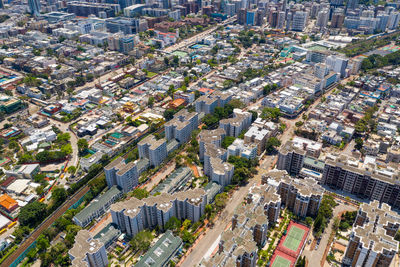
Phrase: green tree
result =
(187, 237)
(228, 140)
(142, 240)
(140, 193)
(397, 236)
(82, 145)
(254, 115)
(63, 138)
(13, 145)
(169, 114)
(237, 103)
(150, 103)
(221, 200)
(173, 224)
(32, 214)
(58, 195)
(359, 143)
(186, 224)
(20, 232)
(67, 149)
(271, 114)
(309, 221)
(272, 144)
(71, 169)
(42, 243)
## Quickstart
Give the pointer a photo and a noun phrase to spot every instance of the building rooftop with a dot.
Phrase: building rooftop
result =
(210, 136)
(152, 141)
(7, 202)
(84, 243)
(161, 251)
(175, 180)
(369, 169)
(375, 238)
(97, 204)
(132, 206)
(107, 234)
(181, 119)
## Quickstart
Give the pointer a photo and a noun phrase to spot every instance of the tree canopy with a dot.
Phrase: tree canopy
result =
(32, 214)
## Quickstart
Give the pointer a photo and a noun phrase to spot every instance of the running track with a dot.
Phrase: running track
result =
(46, 224)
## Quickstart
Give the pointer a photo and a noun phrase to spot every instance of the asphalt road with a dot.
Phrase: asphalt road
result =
(46, 224)
(314, 257)
(212, 234)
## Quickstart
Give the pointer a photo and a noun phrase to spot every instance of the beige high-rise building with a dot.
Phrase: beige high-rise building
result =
(372, 241)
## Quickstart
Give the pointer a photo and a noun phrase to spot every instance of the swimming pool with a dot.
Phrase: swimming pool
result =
(197, 46)
(112, 143)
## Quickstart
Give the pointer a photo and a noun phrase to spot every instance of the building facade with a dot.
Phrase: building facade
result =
(372, 240)
(134, 215)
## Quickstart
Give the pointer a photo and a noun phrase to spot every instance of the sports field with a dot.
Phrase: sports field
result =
(293, 238)
(281, 262)
(290, 246)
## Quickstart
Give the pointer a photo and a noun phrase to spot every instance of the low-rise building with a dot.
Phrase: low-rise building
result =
(240, 149)
(27, 171)
(97, 207)
(162, 251)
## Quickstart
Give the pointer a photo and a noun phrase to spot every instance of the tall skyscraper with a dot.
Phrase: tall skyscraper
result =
(284, 5)
(299, 21)
(352, 4)
(1, 4)
(34, 6)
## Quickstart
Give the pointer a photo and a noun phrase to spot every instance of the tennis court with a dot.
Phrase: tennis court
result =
(294, 238)
(281, 262)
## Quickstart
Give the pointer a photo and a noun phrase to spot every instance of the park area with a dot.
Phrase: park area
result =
(290, 246)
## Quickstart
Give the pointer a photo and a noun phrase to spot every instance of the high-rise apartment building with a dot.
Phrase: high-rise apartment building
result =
(153, 149)
(221, 172)
(292, 154)
(299, 21)
(372, 240)
(323, 18)
(364, 180)
(85, 9)
(337, 18)
(239, 244)
(88, 251)
(134, 215)
(214, 156)
(34, 7)
(207, 103)
(121, 42)
(214, 137)
(352, 4)
(234, 126)
(337, 64)
(302, 196)
(181, 126)
(125, 175)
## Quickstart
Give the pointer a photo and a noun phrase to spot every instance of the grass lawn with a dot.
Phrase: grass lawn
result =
(151, 74)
